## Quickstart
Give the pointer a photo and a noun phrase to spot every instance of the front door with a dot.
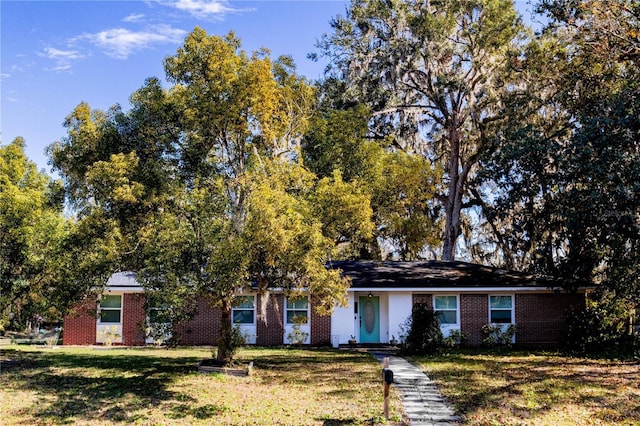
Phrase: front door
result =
(369, 319)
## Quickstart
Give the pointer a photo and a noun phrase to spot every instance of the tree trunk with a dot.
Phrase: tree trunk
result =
(224, 343)
(453, 203)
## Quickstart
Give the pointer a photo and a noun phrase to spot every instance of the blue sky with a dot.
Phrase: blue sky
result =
(56, 54)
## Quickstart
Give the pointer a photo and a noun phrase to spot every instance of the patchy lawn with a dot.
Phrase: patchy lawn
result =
(537, 388)
(41, 386)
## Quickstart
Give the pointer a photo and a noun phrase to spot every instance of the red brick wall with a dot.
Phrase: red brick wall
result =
(320, 328)
(540, 317)
(203, 328)
(79, 326)
(133, 319)
(270, 327)
(427, 299)
(474, 313)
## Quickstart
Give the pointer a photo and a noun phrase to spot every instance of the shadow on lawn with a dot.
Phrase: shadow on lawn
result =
(525, 387)
(116, 387)
(326, 365)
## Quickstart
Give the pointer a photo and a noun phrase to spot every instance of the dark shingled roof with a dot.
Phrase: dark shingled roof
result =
(436, 274)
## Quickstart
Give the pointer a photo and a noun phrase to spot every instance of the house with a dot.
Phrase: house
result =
(382, 294)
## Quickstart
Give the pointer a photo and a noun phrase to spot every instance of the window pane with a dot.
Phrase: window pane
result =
(302, 303)
(297, 317)
(447, 317)
(446, 302)
(244, 316)
(244, 302)
(110, 302)
(110, 315)
(500, 302)
(501, 316)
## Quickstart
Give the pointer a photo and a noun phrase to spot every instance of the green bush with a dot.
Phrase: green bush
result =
(495, 335)
(455, 338)
(599, 330)
(236, 341)
(423, 335)
(297, 337)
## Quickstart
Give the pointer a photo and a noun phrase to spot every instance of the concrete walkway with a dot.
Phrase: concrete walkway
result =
(423, 403)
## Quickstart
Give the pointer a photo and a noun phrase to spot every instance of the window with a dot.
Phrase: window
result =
(244, 310)
(501, 309)
(297, 310)
(447, 309)
(110, 308)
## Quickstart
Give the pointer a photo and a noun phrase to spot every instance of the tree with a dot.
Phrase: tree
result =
(603, 160)
(242, 117)
(568, 173)
(434, 73)
(32, 228)
(401, 186)
(201, 183)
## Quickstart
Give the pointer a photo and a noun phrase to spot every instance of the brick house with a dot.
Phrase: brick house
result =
(382, 294)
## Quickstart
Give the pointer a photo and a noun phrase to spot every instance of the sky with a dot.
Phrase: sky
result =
(57, 54)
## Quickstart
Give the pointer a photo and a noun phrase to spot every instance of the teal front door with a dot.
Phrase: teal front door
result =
(369, 319)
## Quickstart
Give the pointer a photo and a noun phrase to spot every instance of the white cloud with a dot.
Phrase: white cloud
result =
(63, 55)
(120, 43)
(135, 17)
(4, 75)
(62, 58)
(65, 67)
(204, 8)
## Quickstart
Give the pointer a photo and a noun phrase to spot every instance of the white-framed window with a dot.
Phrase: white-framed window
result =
(244, 310)
(446, 307)
(110, 309)
(297, 310)
(501, 309)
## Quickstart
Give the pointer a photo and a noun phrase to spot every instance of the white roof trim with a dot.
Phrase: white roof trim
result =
(451, 289)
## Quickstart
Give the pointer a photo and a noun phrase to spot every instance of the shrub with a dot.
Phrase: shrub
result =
(423, 335)
(498, 335)
(297, 337)
(455, 338)
(235, 342)
(599, 330)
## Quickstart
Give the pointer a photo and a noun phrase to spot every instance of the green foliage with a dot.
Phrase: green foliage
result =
(565, 182)
(454, 339)
(399, 187)
(229, 345)
(297, 337)
(33, 231)
(495, 335)
(405, 201)
(434, 75)
(199, 187)
(601, 328)
(423, 331)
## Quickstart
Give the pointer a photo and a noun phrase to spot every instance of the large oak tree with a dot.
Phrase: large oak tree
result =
(434, 74)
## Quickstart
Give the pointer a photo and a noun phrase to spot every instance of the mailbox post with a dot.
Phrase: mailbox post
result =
(387, 377)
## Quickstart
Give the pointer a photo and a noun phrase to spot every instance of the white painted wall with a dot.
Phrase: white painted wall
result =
(343, 323)
(108, 331)
(249, 331)
(384, 318)
(400, 305)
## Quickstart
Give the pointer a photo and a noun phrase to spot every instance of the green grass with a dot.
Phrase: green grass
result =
(522, 388)
(42, 386)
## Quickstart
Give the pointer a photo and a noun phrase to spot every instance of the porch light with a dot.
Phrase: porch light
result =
(370, 295)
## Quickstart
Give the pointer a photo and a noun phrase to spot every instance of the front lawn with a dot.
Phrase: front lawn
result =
(521, 388)
(39, 385)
